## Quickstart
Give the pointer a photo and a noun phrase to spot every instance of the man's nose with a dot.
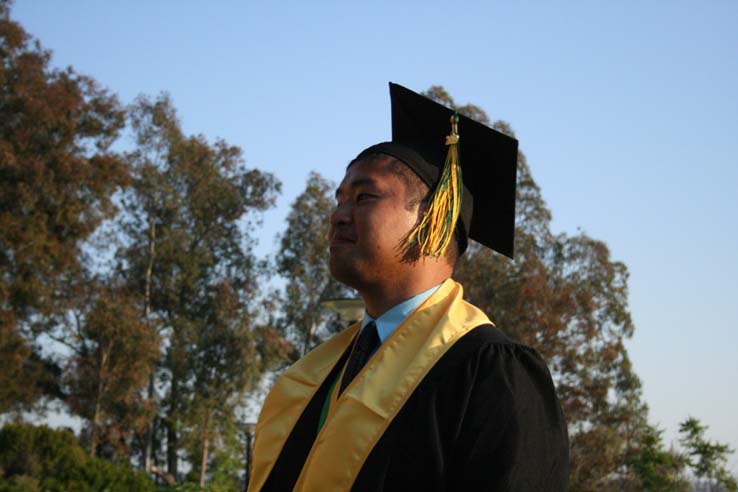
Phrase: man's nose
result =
(341, 214)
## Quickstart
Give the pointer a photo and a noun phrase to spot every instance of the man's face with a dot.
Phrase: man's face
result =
(369, 225)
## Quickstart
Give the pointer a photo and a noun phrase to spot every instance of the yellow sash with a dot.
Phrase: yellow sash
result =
(359, 417)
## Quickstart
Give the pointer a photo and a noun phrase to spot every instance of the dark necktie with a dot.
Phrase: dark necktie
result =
(366, 344)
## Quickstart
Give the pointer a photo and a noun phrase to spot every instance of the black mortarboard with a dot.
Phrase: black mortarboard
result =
(488, 160)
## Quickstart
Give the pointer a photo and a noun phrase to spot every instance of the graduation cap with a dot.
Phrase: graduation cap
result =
(470, 168)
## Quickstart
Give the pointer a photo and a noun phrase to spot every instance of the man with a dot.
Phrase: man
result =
(425, 393)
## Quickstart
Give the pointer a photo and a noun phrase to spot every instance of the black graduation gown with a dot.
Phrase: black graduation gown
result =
(486, 417)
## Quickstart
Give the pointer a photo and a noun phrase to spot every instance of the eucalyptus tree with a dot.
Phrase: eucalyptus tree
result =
(57, 181)
(189, 231)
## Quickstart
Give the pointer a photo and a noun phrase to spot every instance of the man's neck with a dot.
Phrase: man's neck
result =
(381, 298)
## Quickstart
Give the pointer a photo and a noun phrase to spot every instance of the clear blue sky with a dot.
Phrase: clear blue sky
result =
(627, 111)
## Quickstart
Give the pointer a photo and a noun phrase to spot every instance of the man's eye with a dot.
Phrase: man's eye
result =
(363, 196)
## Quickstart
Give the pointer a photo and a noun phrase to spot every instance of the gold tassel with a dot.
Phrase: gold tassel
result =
(436, 230)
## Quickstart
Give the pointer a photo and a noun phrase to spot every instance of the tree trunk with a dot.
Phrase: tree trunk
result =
(247, 475)
(161, 473)
(308, 338)
(96, 415)
(205, 447)
(93, 431)
(172, 443)
(149, 446)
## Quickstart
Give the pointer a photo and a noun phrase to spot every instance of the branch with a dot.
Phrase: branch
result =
(65, 343)
(166, 476)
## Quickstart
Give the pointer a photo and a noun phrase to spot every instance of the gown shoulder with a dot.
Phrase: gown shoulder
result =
(486, 417)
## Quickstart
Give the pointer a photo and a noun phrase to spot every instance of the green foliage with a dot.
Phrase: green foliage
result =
(114, 354)
(195, 487)
(657, 469)
(225, 470)
(44, 459)
(189, 233)
(707, 458)
(14, 352)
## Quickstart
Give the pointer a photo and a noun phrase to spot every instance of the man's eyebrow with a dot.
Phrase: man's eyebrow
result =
(356, 183)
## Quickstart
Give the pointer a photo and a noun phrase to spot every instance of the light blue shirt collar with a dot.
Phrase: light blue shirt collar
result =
(389, 321)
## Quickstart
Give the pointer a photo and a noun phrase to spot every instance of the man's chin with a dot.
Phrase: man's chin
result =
(343, 271)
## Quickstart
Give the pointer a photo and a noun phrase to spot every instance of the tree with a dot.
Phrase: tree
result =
(222, 366)
(564, 296)
(303, 261)
(57, 177)
(15, 359)
(114, 354)
(707, 458)
(657, 469)
(43, 459)
(188, 234)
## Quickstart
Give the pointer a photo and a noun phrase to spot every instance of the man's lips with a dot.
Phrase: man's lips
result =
(342, 239)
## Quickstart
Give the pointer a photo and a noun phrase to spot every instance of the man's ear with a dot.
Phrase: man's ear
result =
(422, 209)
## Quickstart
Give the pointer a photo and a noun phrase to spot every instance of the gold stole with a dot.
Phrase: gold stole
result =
(359, 417)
